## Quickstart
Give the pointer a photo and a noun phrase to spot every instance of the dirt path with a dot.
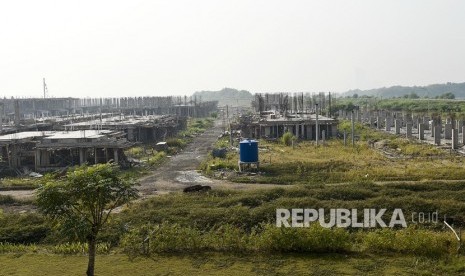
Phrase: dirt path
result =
(180, 171)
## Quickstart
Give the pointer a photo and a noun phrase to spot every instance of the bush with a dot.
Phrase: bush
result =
(176, 142)
(409, 241)
(25, 228)
(287, 138)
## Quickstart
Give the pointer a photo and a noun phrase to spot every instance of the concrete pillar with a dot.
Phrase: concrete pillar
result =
(82, 156)
(397, 126)
(388, 124)
(378, 124)
(448, 131)
(115, 154)
(455, 138)
(421, 131)
(437, 135)
(37, 160)
(409, 130)
(463, 135)
(426, 121)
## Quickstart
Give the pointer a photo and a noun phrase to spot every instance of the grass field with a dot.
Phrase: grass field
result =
(399, 160)
(231, 232)
(227, 264)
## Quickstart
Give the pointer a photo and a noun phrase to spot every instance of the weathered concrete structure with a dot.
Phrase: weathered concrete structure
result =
(19, 111)
(43, 151)
(303, 126)
(153, 128)
(421, 131)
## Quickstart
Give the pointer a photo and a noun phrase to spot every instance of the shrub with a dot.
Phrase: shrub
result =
(175, 142)
(287, 138)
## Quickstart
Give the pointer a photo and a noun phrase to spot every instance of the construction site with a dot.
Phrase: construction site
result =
(47, 134)
(299, 114)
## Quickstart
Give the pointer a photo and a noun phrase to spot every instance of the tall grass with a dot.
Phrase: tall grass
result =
(268, 238)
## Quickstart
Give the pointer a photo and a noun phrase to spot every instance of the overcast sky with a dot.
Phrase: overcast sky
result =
(122, 48)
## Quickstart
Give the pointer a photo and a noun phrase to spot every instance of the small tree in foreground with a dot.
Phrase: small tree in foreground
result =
(82, 204)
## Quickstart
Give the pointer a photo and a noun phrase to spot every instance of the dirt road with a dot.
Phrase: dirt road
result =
(180, 171)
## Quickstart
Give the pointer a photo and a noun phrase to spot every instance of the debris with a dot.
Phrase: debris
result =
(197, 188)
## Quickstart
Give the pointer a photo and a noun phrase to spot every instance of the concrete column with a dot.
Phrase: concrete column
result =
(448, 131)
(409, 130)
(397, 126)
(455, 138)
(115, 154)
(82, 156)
(388, 124)
(37, 160)
(421, 131)
(378, 124)
(437, 135)
(463, 135)
(426, 121)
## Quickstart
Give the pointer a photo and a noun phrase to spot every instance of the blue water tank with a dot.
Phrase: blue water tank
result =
(248, 151)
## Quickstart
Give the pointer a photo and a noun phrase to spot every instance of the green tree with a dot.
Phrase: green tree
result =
(81, 205)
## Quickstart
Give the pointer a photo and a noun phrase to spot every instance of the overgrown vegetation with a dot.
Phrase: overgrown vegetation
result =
(398, 159)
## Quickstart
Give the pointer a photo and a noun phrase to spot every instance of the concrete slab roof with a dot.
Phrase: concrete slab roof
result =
(306, 117)
(25, 135)
(117, 120)
(55, 135)
(79, 134)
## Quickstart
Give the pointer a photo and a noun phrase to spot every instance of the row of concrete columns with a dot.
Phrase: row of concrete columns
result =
(386, 120)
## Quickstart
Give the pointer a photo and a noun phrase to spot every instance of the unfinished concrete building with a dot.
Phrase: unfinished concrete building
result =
(146, 129)
(279, 113)
(17, 110)
(304, 126)
(45, 151)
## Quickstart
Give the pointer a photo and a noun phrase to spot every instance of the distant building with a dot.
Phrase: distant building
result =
(44, 151)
